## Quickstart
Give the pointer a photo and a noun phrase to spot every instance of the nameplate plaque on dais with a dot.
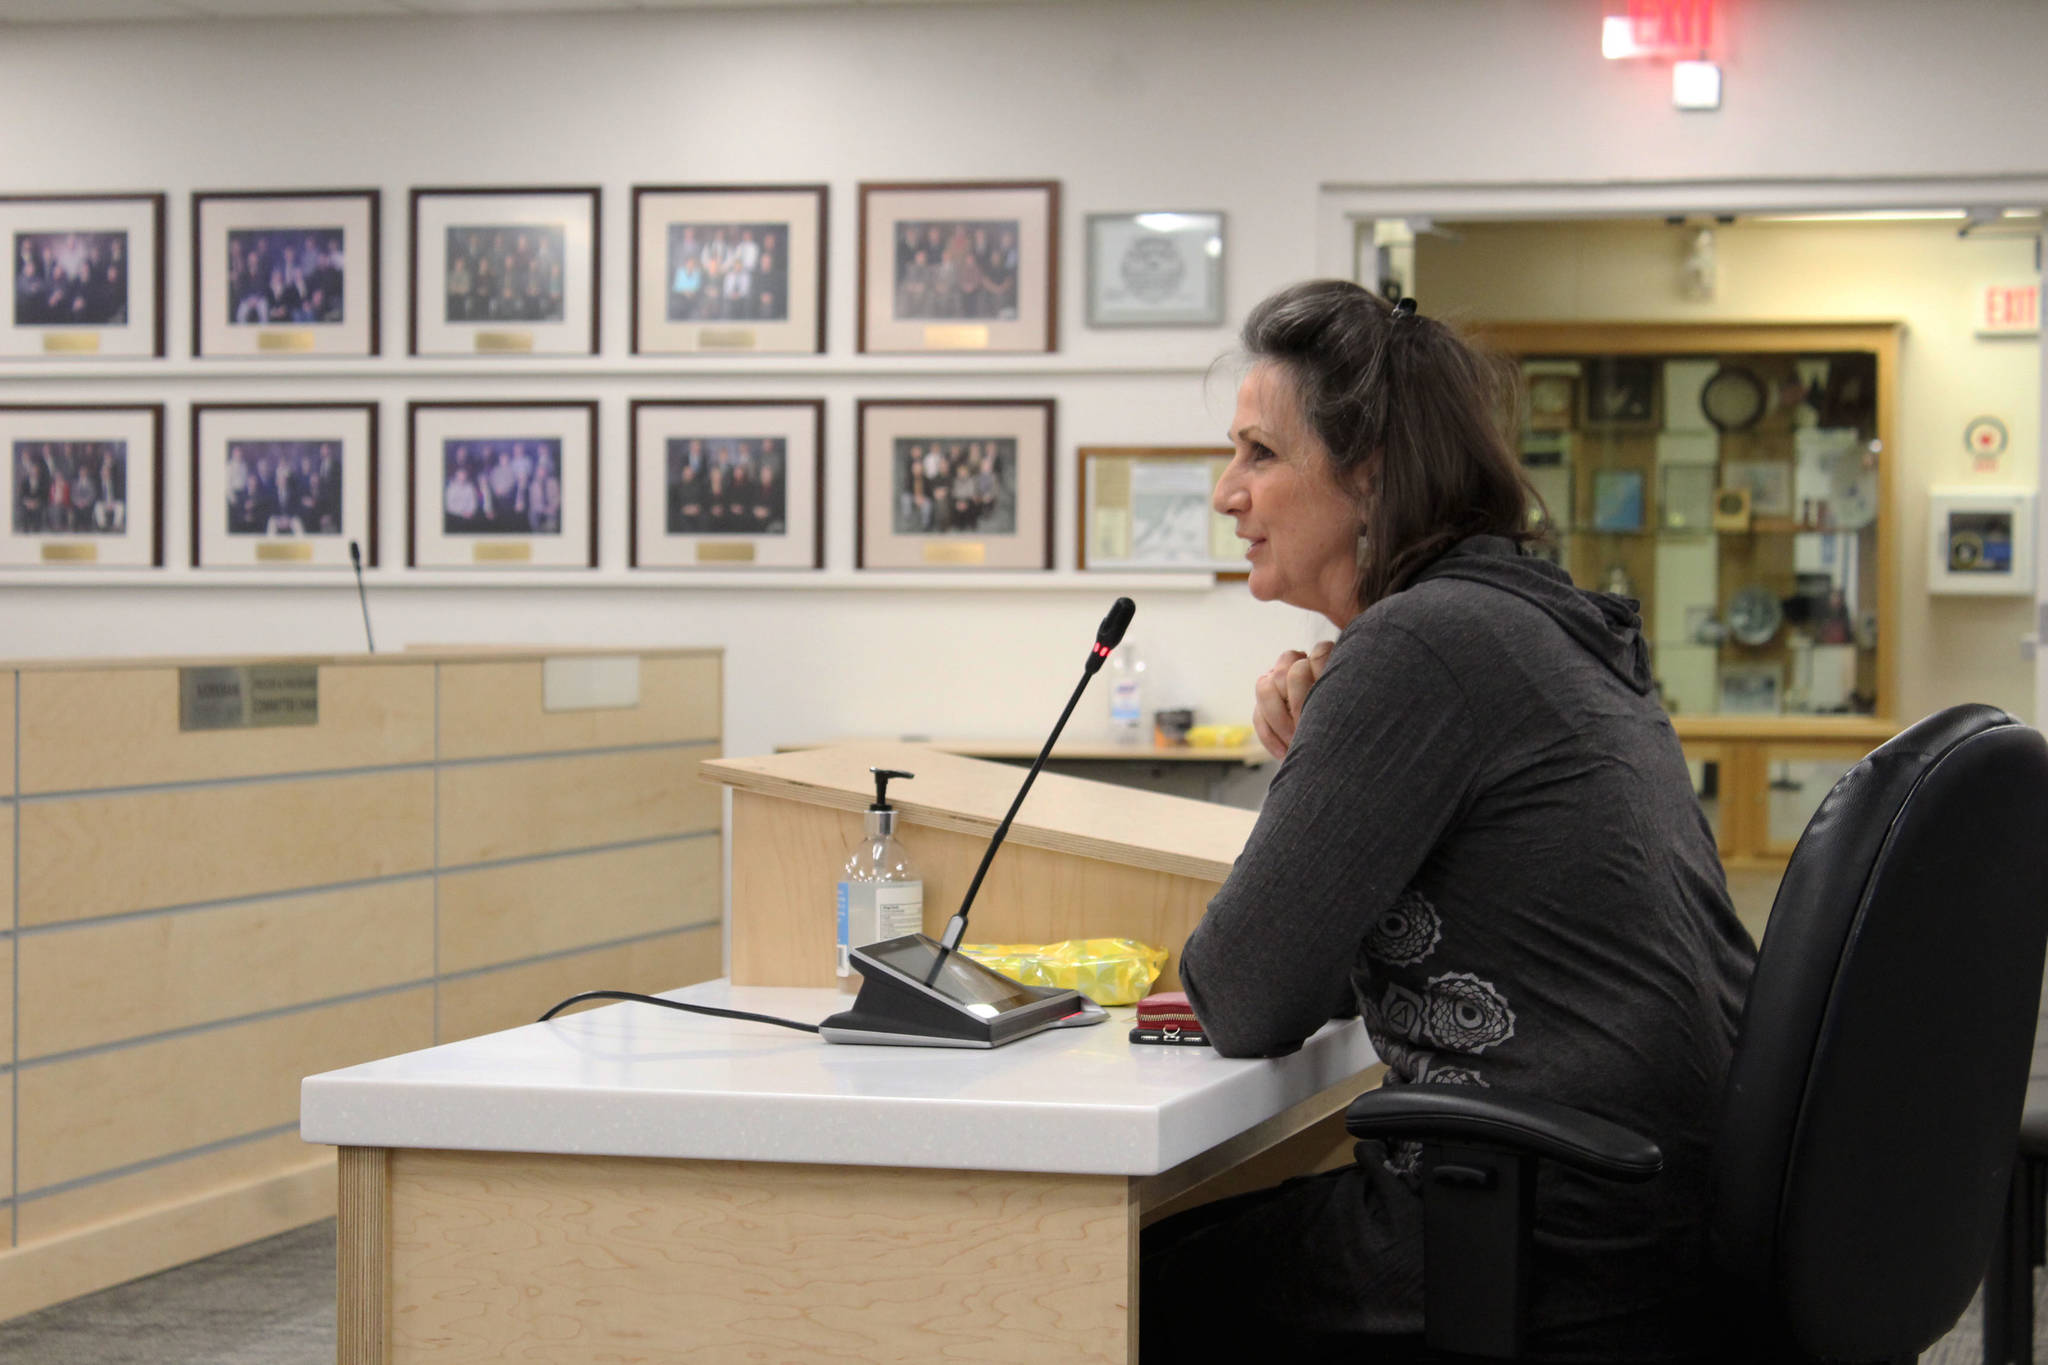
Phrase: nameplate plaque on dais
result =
(248, 696)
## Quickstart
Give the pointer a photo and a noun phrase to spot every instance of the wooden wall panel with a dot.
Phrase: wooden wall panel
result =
(786, 856)
(156, 973)
(6, 1135)
(371, 715)
(7, 732)
(83, 857)
(170, 1183)
(7, 950)
(7, 819)
(110, 1109)
(489, 709)
(491, 811)
(159, 1236)
(494, 1258)
(500, 914)
(512, 996)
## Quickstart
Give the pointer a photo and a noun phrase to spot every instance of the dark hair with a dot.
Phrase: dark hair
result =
(1407, 408)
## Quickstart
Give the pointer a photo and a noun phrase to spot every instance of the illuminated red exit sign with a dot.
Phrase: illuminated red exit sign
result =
(1659, 28)
(2012, 309)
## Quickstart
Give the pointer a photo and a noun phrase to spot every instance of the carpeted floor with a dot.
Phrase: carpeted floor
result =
(272, 1303)
(269, 1303)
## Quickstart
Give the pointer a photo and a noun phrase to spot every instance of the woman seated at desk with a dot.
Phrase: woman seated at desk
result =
(1482, 837)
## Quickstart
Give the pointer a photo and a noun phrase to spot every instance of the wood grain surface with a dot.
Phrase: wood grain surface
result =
(156, 973)
(362, 1320)
(171, 1182)
(492, 811)
(499, 914)
(496, 708)
(37, 1274)
(105, 727)
(82, 857)
(9, 681)
(590, 1260)
(787, 855)
(7, 950)
(105, 1110)
(1171, 834)
(510, 996)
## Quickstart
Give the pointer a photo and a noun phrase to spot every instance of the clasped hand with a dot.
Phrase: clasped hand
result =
(1280, 692)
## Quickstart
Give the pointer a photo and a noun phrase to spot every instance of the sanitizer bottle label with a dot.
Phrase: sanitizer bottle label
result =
(899, 909)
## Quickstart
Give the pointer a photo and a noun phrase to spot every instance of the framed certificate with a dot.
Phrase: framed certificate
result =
(1156, 269)
(1148, 508)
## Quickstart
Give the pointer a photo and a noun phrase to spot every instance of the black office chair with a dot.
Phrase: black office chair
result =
(1867, 1132)
(2022, 1242)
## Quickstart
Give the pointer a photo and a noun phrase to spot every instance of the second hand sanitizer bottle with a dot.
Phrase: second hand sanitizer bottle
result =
(881, 895)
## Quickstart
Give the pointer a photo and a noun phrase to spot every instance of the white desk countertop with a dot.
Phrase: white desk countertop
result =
(635, 1080)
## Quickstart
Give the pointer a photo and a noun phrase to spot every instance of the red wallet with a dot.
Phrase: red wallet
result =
(1168, 1010)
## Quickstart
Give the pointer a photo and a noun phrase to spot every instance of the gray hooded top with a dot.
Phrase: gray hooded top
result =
(1484, 835)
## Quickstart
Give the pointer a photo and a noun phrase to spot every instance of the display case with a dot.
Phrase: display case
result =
(1736, 481)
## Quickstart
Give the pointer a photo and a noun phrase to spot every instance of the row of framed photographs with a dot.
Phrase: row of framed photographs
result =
(711, 484)
(716, 269)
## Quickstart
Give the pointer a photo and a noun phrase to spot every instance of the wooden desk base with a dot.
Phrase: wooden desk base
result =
(459, 1257)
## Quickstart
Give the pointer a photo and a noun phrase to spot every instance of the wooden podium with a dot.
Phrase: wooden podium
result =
(1082, 860)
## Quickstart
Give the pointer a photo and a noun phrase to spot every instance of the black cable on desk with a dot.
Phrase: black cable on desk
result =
(676, 1005)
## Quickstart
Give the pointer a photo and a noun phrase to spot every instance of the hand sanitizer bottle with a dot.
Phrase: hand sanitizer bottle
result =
(881, 895)
(1127, 694)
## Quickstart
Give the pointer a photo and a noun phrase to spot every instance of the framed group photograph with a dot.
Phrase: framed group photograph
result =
(502, 485)
(504, 272)
(720, 269)
(954, 484)
(283, 485)
(88, 276)
(963, 266)
(87, 486)
(1147, 508)
(727, 485)
(1157, 269)
(285, 274)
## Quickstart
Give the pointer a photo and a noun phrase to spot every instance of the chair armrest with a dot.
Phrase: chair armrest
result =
(1519, 1123)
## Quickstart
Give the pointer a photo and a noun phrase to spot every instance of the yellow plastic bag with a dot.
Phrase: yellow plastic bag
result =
(1109, 971)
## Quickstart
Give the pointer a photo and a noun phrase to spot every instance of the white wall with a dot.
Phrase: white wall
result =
(1245, 107)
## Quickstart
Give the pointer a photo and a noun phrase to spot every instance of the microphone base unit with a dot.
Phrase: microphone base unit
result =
(916, 993)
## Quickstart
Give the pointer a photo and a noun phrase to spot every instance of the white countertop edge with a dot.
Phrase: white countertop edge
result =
(480, 1095)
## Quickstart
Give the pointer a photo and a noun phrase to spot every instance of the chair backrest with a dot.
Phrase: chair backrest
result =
(1874, 1098)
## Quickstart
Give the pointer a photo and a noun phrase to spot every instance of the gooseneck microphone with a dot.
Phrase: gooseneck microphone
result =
(355, 557)
(1106, 639)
